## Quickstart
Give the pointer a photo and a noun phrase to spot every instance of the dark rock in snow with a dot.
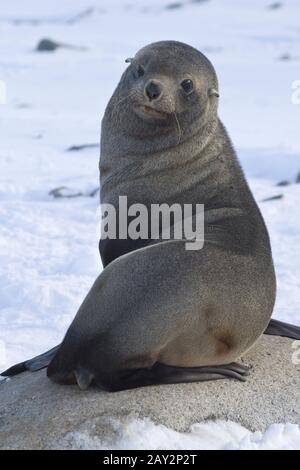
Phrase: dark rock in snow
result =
(288, 57)
(174, 6)
(80, 16)
(65, 192)
(275, 6)
(273, 198)
(48, 45)
(76, 148)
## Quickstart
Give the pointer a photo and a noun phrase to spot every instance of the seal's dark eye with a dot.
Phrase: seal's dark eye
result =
(187, 86)
(138, 71)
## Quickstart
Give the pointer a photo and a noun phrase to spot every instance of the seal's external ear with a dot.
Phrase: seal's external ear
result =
(129, 60)
(213, 92)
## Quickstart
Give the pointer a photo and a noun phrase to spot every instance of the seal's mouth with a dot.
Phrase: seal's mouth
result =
(149, 111)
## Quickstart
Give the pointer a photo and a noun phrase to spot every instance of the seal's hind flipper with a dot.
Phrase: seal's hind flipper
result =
(172, 374)
(34, 364)
(163, 374)
(279, 328)
(14, 370)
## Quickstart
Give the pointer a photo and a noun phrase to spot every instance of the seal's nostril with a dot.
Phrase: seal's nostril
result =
(153, 90)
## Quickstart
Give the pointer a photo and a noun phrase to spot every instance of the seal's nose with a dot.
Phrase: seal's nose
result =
(153, 90)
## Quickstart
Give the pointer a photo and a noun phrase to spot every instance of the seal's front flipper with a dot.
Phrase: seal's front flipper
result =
(279, 328)
(34, 364)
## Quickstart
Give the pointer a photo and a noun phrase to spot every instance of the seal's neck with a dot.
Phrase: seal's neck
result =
(221, 181)
(201, 168)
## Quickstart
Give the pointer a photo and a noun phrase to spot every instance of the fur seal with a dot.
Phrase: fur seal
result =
(159, 313)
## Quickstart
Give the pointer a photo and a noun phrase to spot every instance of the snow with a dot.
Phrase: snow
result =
(220, 435)
(48, 246)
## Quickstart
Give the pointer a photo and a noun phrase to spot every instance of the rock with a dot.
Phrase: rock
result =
(82, 15)
(38, 414)
(174, 6)
(287, 182)
(24, 106)
(76, 148)
(287, 57)
(64, 191)
(37, 21)
(94, 192)
(273, 198)
(48, 45)
(275, 6)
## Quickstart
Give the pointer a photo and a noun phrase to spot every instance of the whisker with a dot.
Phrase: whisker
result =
(117, 104)
(124, 98)
(178, 127)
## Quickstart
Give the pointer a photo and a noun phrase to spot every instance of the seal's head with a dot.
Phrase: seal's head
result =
(170, 77)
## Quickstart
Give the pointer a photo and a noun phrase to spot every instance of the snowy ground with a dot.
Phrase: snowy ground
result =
(220, 435)
(48, 247)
